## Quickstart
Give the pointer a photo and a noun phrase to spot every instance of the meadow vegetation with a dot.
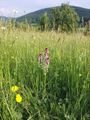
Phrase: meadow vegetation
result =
(29, 91)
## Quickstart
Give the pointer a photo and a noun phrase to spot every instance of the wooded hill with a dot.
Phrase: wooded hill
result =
(34, 17)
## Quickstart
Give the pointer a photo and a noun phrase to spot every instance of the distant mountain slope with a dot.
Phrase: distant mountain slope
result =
(34, 17)
(3, 18)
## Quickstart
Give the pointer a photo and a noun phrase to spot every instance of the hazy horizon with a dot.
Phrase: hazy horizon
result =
(18, 8)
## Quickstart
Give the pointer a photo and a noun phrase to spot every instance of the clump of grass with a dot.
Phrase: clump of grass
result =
(63, 93)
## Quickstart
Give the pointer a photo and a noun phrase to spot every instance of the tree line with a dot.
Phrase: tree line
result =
(64, 18)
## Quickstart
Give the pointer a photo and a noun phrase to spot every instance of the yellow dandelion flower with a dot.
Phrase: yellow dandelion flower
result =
(14, 88)
(18, 98)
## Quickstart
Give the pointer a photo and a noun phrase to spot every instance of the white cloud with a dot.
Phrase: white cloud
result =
(17, 7)
(4, 10)
(14, 11)
(8, 12)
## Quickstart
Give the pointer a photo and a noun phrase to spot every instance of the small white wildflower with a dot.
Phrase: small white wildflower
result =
(67, 117)
(80, 74)
(3, 28)
(12, 57)
(16, 37)
(4, 53)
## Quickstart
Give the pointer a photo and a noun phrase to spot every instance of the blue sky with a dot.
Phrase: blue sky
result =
(20, 7)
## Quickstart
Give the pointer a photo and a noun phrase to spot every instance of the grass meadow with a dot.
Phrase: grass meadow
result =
(29, 90)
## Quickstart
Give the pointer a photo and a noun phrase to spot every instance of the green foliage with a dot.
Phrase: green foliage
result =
(87, 31)
(56, 18)
(66, 18)
(23, 26)
(1, 23)
(44, 21)
(10, 24)
(35, 16)
(63, 93)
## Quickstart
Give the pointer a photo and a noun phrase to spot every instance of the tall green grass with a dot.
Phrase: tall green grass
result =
(63, 93)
